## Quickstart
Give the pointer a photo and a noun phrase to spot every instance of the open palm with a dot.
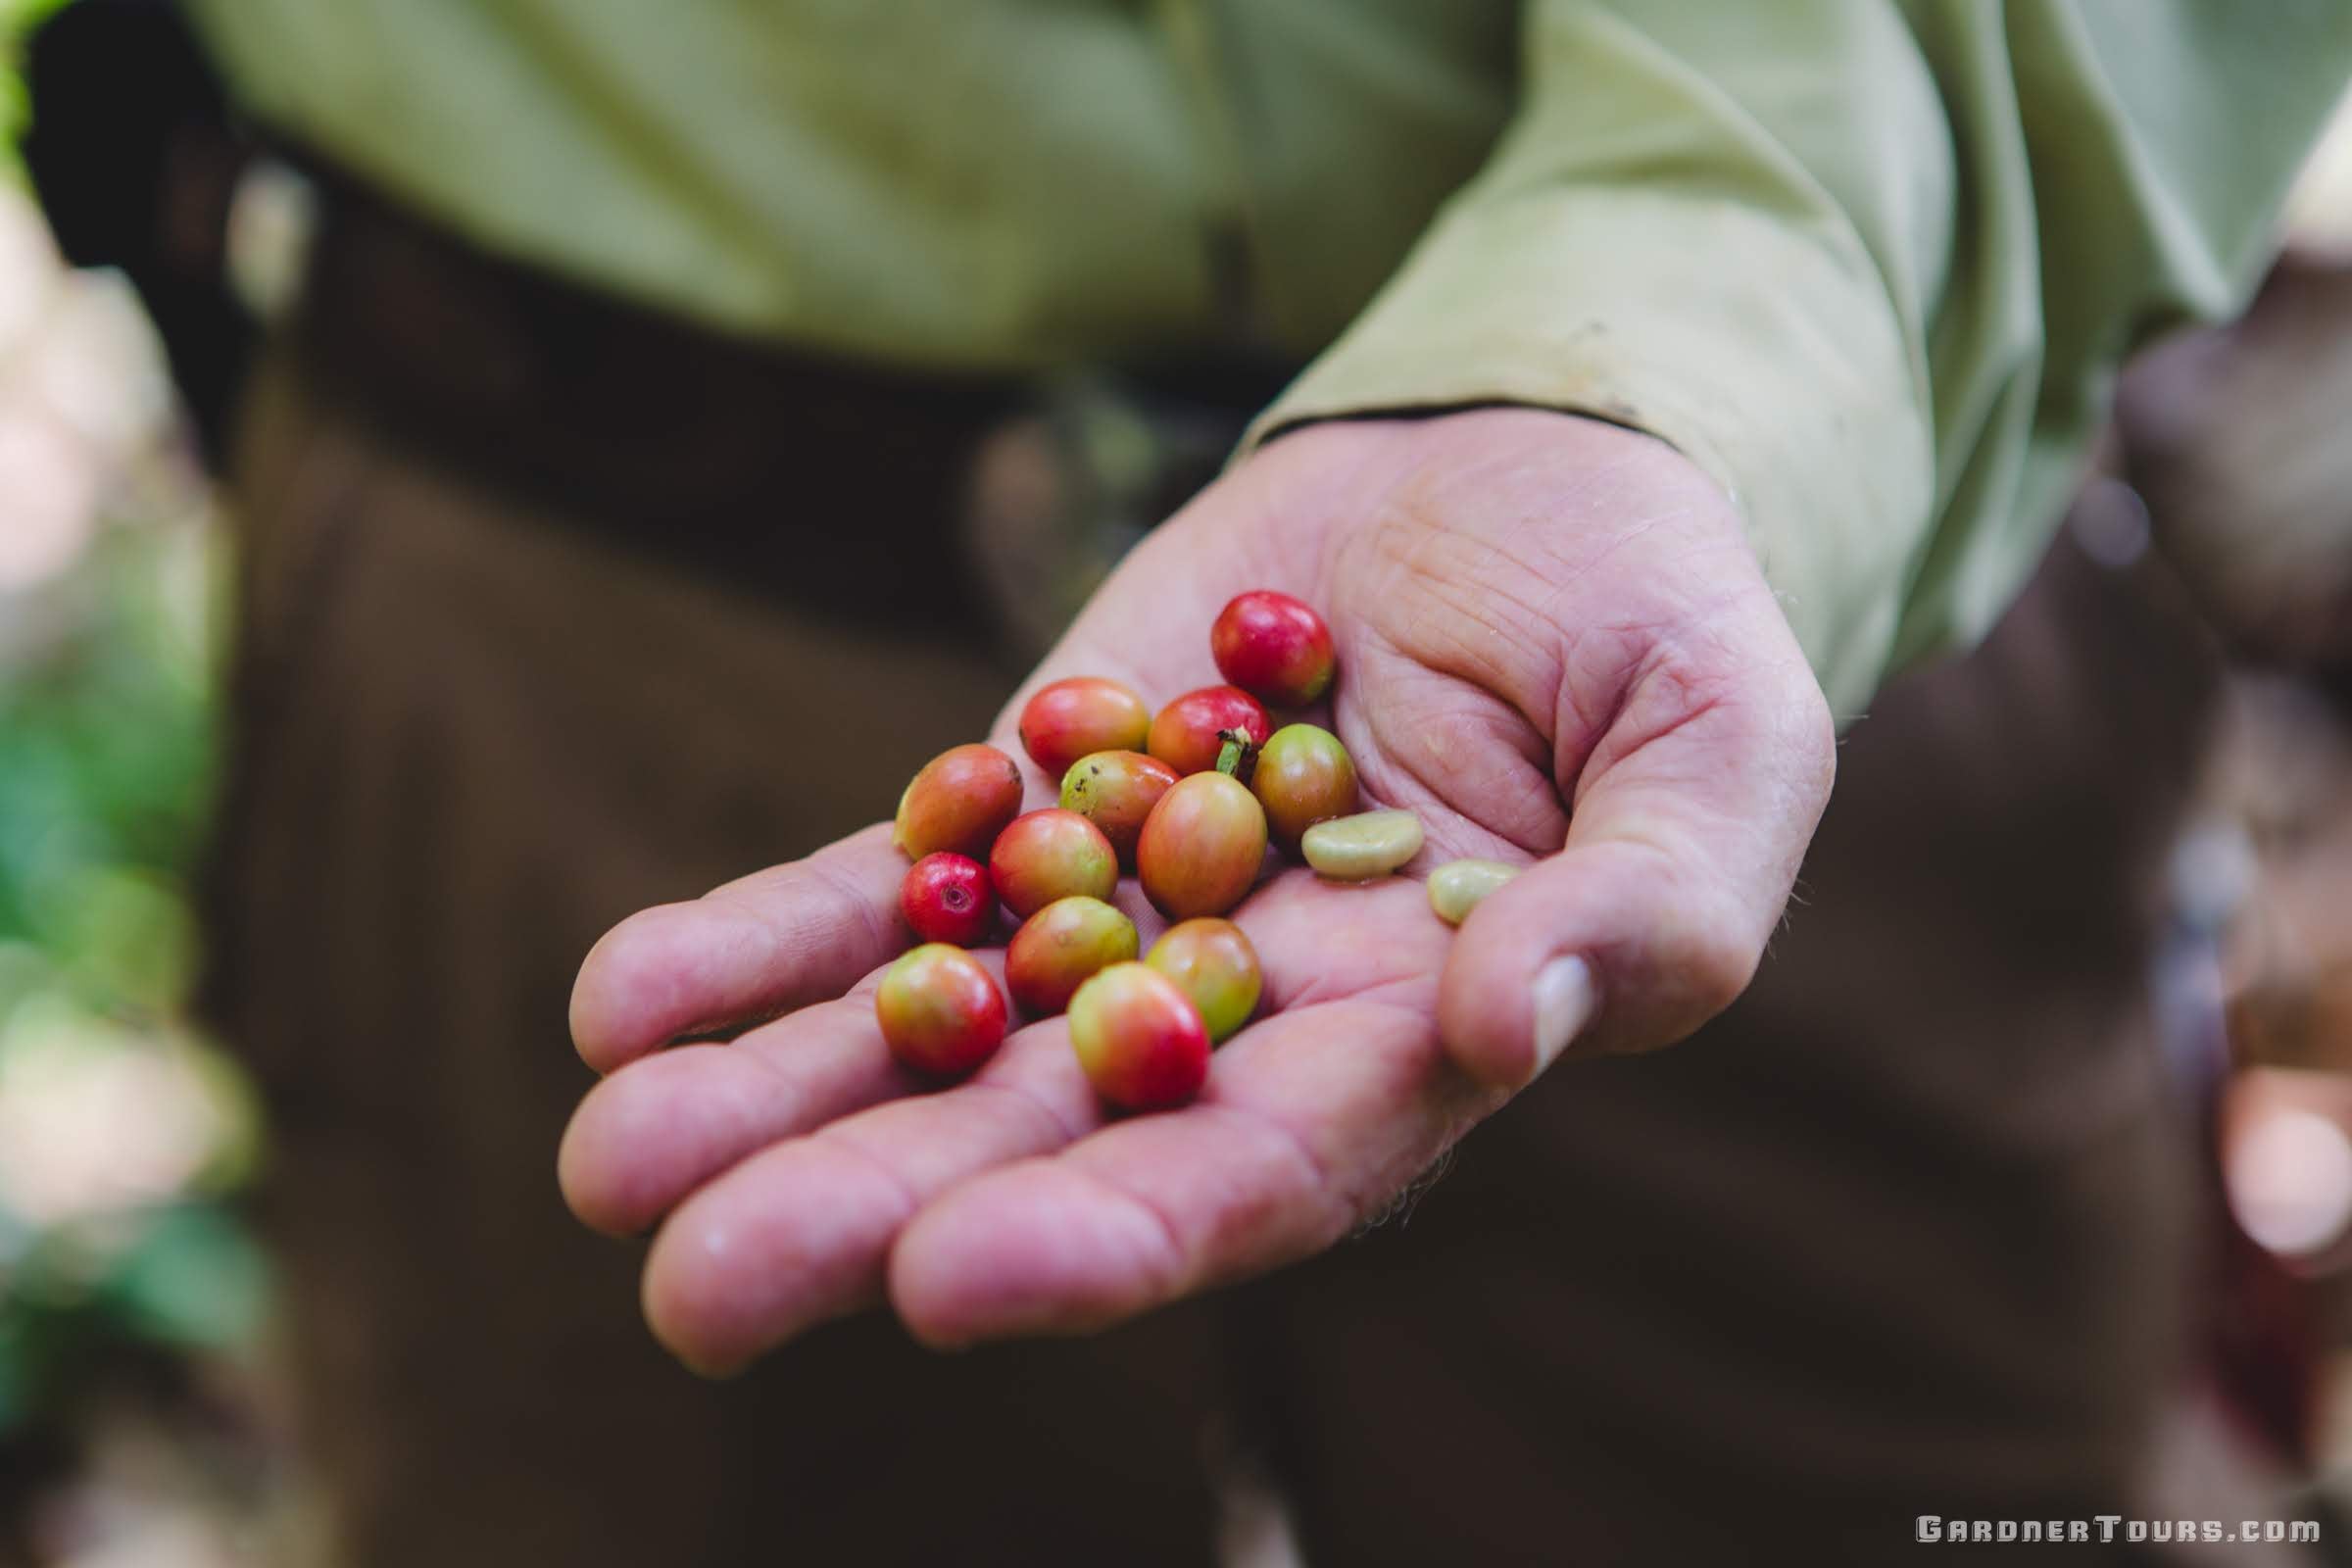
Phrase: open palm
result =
(1555, 645)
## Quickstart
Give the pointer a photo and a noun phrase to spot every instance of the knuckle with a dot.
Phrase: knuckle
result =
(583, 1170)
(622, 957)
(1719, 967)
(1810, 742)
(1705, 951)
(680, 1292)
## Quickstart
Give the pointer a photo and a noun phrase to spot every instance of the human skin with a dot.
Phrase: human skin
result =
(1531, 610)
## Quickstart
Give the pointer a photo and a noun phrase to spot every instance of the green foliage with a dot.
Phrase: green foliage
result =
(17, 19)
(121, 1243)
(192, 1278)
(106, 735)
(183, 1276)
(105, 751)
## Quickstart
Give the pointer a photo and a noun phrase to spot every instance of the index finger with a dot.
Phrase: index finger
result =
(764, 945)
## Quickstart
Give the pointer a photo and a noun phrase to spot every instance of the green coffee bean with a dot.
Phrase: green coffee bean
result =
(1458, 886)
(1358, 848)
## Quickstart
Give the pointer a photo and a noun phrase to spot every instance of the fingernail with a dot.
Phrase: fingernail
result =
(1564, 998)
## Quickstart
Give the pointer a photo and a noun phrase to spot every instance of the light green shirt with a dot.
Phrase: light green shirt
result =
(1872, 262)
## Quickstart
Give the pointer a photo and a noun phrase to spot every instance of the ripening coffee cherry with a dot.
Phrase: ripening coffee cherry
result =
(1274, 648)
(1303, 775)
(946, 898)
(1139, 1038)
(961, 800)
(1191, 731)
(1051, 854)
(1115, 791)
(1060, 946)
(1086, 713)
(941, 1013)
(1214, 963)
(1201, 847)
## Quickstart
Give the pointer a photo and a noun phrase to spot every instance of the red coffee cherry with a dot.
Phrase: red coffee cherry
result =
(945, 897)
(1051, 854)
(1201, 847)
(1303, 774)
(1139, 1038)
(1060, 947)
(1115, 791)
(941, 1013)
(1274, 648)
(1084, 713)
(1191, 731)
(961, 800)
(1213, 963)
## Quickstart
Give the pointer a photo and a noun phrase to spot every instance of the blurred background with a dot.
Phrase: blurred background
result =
(134, 1418)
(140, 1422)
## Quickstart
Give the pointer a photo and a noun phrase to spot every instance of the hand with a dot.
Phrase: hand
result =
(1531, 609)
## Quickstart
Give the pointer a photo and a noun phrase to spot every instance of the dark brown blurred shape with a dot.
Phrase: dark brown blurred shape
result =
(1905, 1232)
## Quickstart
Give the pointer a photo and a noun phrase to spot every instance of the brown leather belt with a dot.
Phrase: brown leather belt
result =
(833, 484)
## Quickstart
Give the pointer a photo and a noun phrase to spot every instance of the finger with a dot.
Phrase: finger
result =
(800, 1232)
(1311, 1121)
(1691, 819)
(655, 1131)
(754, 949)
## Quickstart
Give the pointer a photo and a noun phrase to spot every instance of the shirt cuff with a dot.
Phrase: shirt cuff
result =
(1765, 350)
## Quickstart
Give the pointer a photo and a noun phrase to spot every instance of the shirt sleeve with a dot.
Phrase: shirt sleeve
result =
(1871, 264)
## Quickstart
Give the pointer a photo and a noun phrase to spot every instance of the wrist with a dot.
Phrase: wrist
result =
(1582, 473)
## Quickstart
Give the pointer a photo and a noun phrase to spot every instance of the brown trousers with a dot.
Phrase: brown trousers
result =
(1899, 1235)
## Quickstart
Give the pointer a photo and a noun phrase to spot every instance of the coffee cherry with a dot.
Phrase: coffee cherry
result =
(941, 1013)
(1115, 791)
(946, 898)
(1303, 775)
(1191, 731)
(1201, 847)
(1217, 966)
(961, 800)
(1060, 946)
(1051, 854)
(1139, 1038)
(1274, 648)
(1086, 713)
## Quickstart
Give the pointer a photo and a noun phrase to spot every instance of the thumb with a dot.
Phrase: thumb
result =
(1691, 816)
